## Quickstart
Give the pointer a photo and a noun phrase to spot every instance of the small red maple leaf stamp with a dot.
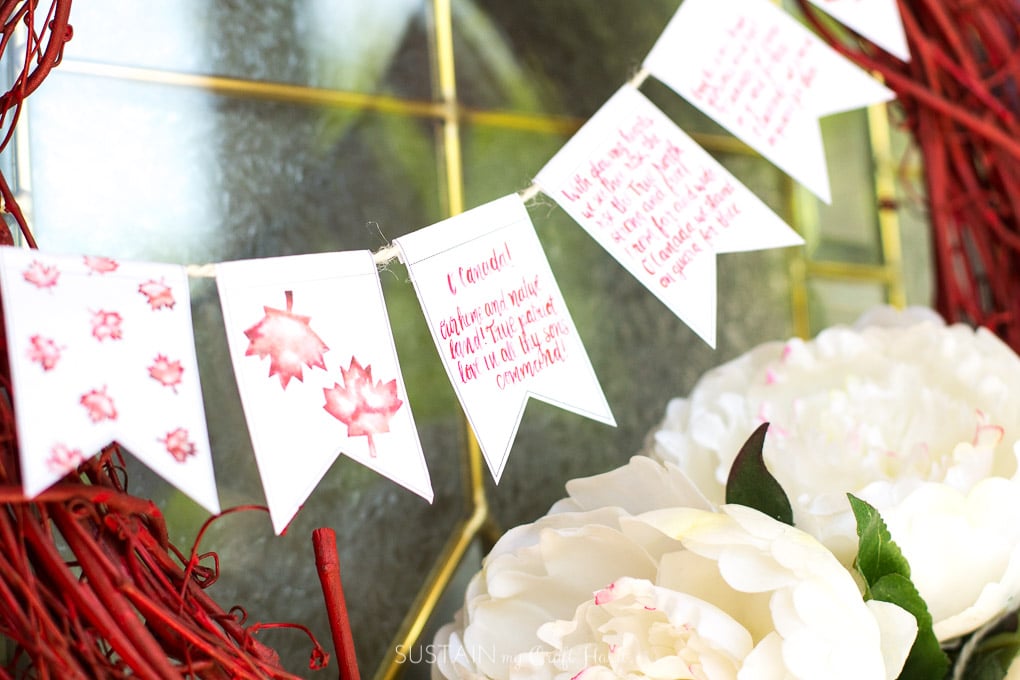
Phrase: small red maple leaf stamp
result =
(107, 325)
(178, 445)
(167, 372)
(158, 294)
(99, 405)
(41, 275)
(100, 265)
(63, 459)
(288, 340)
(365, 407)
(45, 351)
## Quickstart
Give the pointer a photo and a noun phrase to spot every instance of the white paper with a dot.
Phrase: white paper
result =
(877, 20)
(659, 204)
(764, 77)
(499, 322)
(318, 374)
(102, 351)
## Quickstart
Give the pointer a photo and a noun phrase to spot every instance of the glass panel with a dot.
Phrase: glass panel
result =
(144, 171)
(841, 302)
(642, 353)
(563, 58)
(377, 46)
(149, 171)
(912, 212)
(845, 230)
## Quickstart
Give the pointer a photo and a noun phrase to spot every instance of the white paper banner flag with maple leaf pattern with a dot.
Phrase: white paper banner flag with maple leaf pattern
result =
(100, 351)
(659, 204)
(877, 20)
(317, 372)
(764, 77)
(499, 322)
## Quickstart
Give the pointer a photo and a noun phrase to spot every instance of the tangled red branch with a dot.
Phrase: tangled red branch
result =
(45, 36)
(960, 96)
(90, 587)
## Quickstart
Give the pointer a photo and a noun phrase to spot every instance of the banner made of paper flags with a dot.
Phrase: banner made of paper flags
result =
(103, 350)
(499, 322)
(317, 373)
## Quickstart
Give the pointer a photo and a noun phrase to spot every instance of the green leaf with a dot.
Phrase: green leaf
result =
(926, 660)
(993, 657)
(750, 483)
(886, 574)
(877, 554)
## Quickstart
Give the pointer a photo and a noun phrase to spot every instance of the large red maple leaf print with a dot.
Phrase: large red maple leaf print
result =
(365, 407)
(288, 340)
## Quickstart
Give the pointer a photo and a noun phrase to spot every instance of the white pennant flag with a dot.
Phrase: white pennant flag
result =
(100, 351)
(499, 322)
(659, 204)
(877, 20)
(317, 372)
(764, 77)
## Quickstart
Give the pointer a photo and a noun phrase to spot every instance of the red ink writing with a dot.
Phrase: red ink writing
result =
(758, 79)
(511, 336)
(478, 272)
(667, 209)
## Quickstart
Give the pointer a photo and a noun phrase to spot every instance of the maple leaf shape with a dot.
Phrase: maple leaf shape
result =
(365, 408)
(41, 275)
(63, 459)
(178, 445)
(101, 265)
(99, 405)
(106, 325)
(45, 351)
(166, 371)
(288, 340)
(159, 294)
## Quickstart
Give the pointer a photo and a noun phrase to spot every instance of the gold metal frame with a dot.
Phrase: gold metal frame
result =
(889, 273)
(449, 114)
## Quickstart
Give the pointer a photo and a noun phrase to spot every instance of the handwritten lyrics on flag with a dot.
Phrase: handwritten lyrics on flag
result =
(659, 204)
(499, 322)
(763, 76)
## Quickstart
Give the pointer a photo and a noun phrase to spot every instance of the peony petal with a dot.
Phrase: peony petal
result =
(641, 485)
(501, 629)
(765, 662)
(883, 410)
(565, 568)
(944, 533)
(749, 570)
(898, 629)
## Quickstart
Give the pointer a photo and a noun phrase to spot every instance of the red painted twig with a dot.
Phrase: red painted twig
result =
(327, 563)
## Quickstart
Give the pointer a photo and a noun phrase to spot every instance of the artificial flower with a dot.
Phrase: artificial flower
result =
(917, 418)
(621, 581)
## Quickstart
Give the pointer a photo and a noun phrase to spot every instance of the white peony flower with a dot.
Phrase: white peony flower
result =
(917, 418)
(645, 588)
